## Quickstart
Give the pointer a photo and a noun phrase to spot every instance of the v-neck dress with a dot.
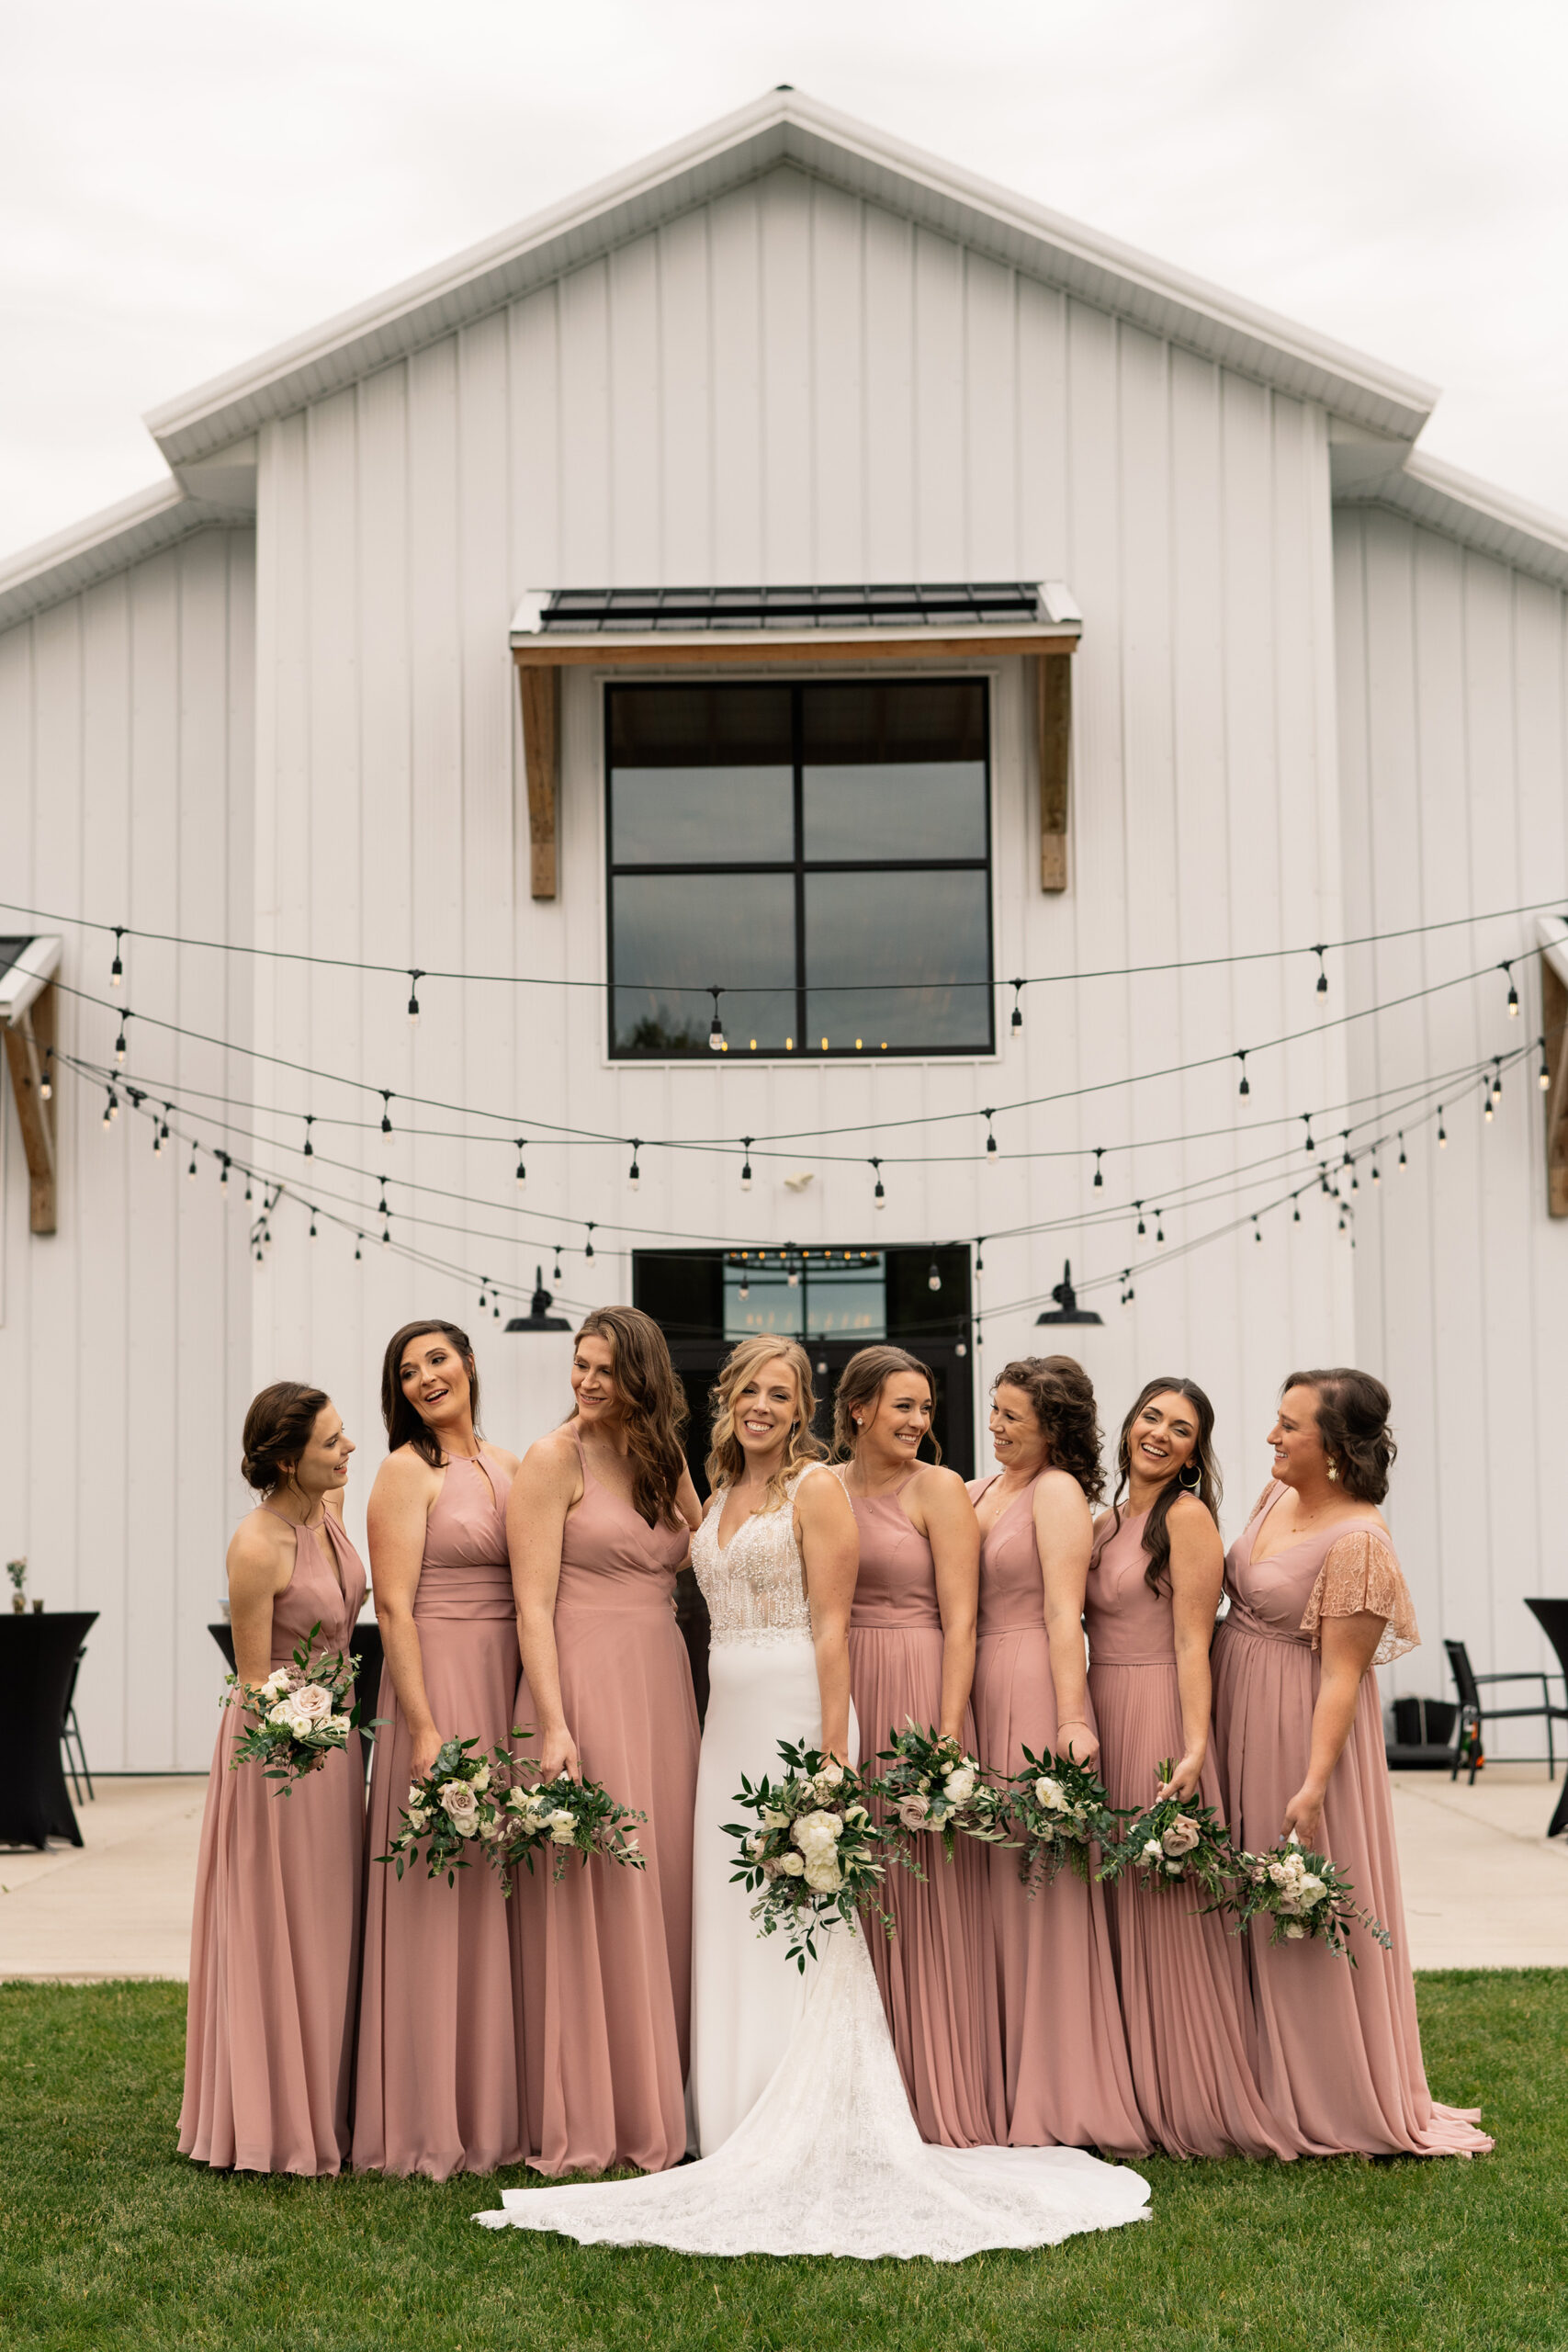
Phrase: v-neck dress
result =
(1181, 1974)
(607, 1950)
(275, 1934)
(936, 1976)
(437, 2084)
(1067, 2080)
(1338, 2048)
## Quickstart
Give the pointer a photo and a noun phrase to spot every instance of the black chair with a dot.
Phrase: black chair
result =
(1551, 1616)
(71, 1738)
(1472, 1712)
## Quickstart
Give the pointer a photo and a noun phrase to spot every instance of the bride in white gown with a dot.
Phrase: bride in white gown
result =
(807, 2144)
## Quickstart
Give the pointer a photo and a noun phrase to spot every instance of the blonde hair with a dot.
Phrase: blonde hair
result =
(726, 1456)
(862, 1382)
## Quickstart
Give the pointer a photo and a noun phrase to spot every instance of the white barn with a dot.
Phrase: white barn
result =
(1154, 641)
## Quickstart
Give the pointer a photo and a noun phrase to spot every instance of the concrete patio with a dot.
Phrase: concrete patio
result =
(1482, 1886)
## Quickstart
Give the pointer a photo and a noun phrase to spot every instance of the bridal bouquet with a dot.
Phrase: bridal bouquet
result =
(931, 1784)
(564, 1816)
(454, 1806)
(1304, 1895)
(811, 1853)
(1060, 1809)
(302, 1712)
(1178, 1842)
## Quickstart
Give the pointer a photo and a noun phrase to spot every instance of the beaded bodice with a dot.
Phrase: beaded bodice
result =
(755, 1584)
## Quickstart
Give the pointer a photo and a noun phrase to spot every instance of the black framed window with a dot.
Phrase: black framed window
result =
(820, 851)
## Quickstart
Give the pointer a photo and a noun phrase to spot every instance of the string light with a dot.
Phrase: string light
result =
(1306, 1120)
(1442, 1131)
(1159, 1227)
(1544, 1075)
(879, 1192)
(1322, 973)
(309, 1150)
(1496, 1078)
(588, 1253)
(746, 1166)
(1296, 1212)
(715, 1033)
(46, 1083)
(109, 1107)
(556, 1275)
(1512, 992)
(523, 1173)
(1099, 1180)
(979, 1255)
(634, 1173)
(1404, 1163)
(381, 1209)
(385, 1093)
(116, 969)
(1244, 1088)
(1142, 1227)
(312, 1223)
(120, 1041)
(415, 979)
(1016, 1023)
(223, 1172)
(1377, 1172)
(990, 1140)
(357, 1239)
(190, 1172)
(1257, 1228)
(1488, 1104)
(933, 1280)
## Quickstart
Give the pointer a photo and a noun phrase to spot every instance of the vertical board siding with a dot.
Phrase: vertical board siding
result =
(1454, 769)
(126, 742)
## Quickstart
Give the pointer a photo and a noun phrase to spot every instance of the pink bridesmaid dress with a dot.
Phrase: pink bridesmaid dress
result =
(1185, 2002)
(936, 1976)
(1067, 2080)
(1338, 2048)
(437, 2086)
(275, 1937)
(607, 1950)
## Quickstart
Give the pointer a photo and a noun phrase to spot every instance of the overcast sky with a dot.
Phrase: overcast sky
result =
(184, 182)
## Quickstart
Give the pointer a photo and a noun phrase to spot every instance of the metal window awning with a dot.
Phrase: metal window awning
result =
(901, 620)
(755, 628)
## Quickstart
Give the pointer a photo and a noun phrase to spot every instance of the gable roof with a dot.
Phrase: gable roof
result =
(53, 569)
(786, 126)
(1461, 507)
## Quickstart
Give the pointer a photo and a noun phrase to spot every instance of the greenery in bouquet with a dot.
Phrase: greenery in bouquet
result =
(811, 1852)
(1304, 1895)
(1059, 1809)
(931, 1786)
(562, 1817)
(1176, 1843)
(451, 1809)
(302, 1712)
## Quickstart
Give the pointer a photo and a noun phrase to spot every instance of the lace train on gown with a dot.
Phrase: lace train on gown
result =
(828, 2161)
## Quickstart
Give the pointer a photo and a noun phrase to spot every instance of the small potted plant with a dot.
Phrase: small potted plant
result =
(17, 1572)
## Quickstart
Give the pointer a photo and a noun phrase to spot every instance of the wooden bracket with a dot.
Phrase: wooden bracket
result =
(540, 691)
(1554, 1033)
(28, 1040)
(1053, 713)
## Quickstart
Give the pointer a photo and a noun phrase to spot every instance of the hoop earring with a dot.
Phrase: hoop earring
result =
(1190, 1486)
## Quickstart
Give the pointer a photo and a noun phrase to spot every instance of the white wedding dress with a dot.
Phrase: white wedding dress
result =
(808, 2144)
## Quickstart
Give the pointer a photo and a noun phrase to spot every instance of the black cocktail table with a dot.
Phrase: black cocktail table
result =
(38, 1653)
(1552, 1618)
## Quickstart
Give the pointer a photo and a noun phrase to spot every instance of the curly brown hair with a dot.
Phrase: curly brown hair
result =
(1352, 1421)
(861, 1382)
(1061, 1396)
(655, 1407)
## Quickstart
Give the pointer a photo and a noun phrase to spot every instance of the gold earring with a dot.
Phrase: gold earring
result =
(1334, 1472)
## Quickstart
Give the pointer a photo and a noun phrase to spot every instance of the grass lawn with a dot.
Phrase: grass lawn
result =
(110, 2240)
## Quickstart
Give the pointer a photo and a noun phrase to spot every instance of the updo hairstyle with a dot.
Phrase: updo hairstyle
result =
(278, 1430)
(862, 1382)
(1352, 1421)
(1061, 1396)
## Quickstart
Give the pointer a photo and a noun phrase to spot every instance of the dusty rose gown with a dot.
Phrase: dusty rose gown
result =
(438, 2086)
(1067, 2083)
(275, 1936)
(1339, 2051)
(1183, 1982)
(936, 1976)
(607, 1950)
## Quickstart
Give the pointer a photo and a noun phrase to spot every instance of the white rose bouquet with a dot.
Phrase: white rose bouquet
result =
(1059, 1809)
(1176, 1843)
(931, 1785)
(302, 1712)
(811, 1852)
(1304, 1895)
(562, 1817)
(452, 1810)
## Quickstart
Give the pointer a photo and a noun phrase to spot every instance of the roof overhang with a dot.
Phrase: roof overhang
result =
(1443, 499)
(784, 127)
(107, 543)
(756, 627)
(25, 973)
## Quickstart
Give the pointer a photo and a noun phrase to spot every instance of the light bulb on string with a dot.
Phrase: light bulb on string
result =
(588, 1251)
(1307, 1121)
(1402, 1161)
(634, 1173)
(990, 1140)
(116, 969)
(1544, 1075)
(247, 1183)
(1512, 992)
(308, 1148)
(190, 1172)
(1159, 1227)
(1496, 1078)
(1257, 1228)
(385, 1237)
(46, 1083)
(745, 1284)
(415, 979)
(979, 1254)
(556, 1275)
(312, 1234)
(1296, 1212)
(1377, 1171)
(1098, 1179)
(879, 1192)
(1322, 973)
(1442, 1131)
(933, 1280)
(223, 1172)
(357, 1239)
(746, 1165)
(1016, 1023)
(385, 1110)
(1488, 1107)
(495, 1310)
(1246, 1087)
(119, 1043)
(1143, 1229)
(715, 1033)
(108, 1108)
(523, 1173)
(381, 1209)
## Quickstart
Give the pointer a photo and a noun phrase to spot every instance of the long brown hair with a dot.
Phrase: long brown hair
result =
(656, 1408)
(1209, 1488)
(727, 1455)
(862, 1382)
(406, 1425)
(1061, 1396)
(278, 1425)
(1352, 1421)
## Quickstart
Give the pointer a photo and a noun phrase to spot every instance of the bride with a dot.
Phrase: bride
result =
(807, 2144)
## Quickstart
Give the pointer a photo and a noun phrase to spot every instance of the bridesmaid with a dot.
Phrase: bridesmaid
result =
(1066, 2081)
(1154, 1587)
(912, 1656)
(601, 1518)
(275, 1939)
(1317, 1600)
(437, 2085)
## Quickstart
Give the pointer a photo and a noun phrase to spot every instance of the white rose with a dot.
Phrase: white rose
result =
(792, 1866)
(414, 1795)
(959, 1785)
(461, 1807)
(493, 1828)
(313, 1704)
(277, 1682)
(282, 1714)
(857, 1813)
(1173, 1870)
(303, 1726)
(829, 1778)
(479, 1779)
(1152, 1850)
(418, 1820)
(1295, 1933)
(823, 1875)
(773, 1819)
(1311, 1890)
(341, 1725)
(1051, 1794)
(817, 1833)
